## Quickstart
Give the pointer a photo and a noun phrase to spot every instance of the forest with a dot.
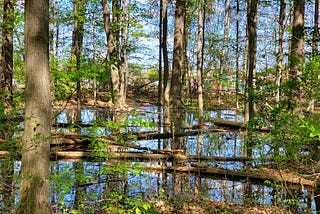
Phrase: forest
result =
(144, 106)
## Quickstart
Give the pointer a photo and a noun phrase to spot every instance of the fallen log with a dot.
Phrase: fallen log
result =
(262, 174)
(237, 125)
(138, 156)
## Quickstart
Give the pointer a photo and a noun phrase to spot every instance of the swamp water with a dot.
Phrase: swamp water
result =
(104, 182)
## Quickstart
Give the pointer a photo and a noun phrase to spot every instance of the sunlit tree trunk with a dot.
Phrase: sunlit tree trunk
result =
(124, 51)
(165, 49)
(34, 187)
(252, 16)
(185, 73)
(237, 55)
(296, 55)
(199, 59)
(112, 25)
(160, 53)
(178, 55)
(166, 83)
(315, 35)
(57, 26)
(53, 61)
(315, 44)
(77, 40)
(282, 16)
(225, 40)
(7, 54)
(6, 75)
(51, 27)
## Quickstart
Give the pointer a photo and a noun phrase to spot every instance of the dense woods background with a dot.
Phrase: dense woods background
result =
(257, 57)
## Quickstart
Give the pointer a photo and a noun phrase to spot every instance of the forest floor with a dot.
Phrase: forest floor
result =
(191, 206)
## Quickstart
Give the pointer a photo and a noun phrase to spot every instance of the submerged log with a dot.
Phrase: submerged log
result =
(139, 156)
(262, 174)
(236, 125)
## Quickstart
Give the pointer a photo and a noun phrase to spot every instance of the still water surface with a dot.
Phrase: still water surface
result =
(147, 184)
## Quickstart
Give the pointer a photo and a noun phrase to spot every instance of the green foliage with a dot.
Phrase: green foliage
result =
(152, 75)
(124, 204)
(64, 87)
(314, 131)
(310, 78)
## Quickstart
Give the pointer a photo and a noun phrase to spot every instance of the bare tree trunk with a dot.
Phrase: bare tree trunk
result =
(199, 59)
(315, 44)
(7, 54)
(51, 27)
(282, 16)
(178, 55)
(315, 39)
(252, 16)
(160, 53)
(296, 55)
(57, 26)
(237, 55)
(124, 51)
(225, 40)
(166, 85)
(112, 30)
(6, 75)
(77, 40)
(34, 187)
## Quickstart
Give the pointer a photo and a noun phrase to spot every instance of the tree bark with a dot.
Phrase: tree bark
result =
(7, 54)
(51, 27)
(160, 90)
(77, 40)
(124, 51)
(226, 28)
(252, 16)
(315, 43)
(315, 39)
(166, 82)
(199, 59)
(34, 188)
(178, 55)
(112, 26)
(296, 55)
(237, 54)
(282, 16)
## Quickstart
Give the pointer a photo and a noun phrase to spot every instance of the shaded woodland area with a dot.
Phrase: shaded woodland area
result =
(159, 107)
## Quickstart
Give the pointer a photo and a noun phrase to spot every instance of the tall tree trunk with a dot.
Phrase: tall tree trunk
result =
(315, 39)
(225, 40)
(178, 55)
(237, 55)
(57, 26)
(199, 59)
(51, 27)
(7, 54)
(77, 40)
(282, 16)
(252, 16)
(160, 53)
(315, 43)
(112, 30)
(6, 74)
(296, 55)
(34, 187)
(124, 51)
(185, 81)
(166, 85)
